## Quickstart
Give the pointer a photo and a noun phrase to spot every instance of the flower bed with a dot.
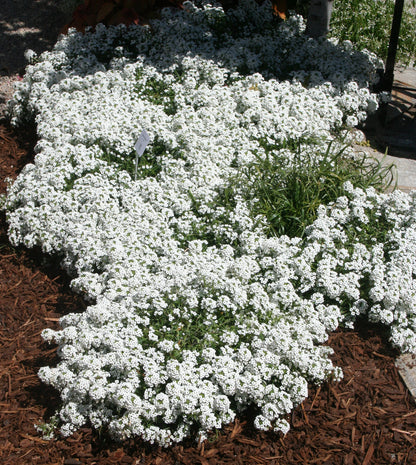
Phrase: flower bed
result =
(196, 310)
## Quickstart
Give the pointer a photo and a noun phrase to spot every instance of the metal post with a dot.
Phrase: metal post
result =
(388, 77)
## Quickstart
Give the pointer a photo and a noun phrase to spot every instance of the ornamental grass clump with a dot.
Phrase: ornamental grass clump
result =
(196, 310)
(288, 195)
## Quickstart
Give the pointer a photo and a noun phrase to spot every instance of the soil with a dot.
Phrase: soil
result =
(368, 418)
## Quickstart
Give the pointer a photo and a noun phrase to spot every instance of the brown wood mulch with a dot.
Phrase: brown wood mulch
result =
(368, 418)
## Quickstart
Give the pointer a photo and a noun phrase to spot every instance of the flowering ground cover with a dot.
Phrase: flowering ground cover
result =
(198, 309)
(369, 415)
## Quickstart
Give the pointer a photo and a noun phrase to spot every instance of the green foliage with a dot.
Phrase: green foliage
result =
(290, 196)
(367, 23)
(157, 92)
(48, 429)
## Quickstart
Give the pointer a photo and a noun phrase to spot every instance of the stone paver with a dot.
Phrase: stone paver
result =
(394, 132)
(406, 365)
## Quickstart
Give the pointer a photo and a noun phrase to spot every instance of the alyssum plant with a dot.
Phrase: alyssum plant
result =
(197, 309)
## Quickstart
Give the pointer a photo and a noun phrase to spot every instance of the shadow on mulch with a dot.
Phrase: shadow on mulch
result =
(367, 418)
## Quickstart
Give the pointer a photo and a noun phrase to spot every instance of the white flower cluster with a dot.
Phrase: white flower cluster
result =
(195, 313)
(362, 258)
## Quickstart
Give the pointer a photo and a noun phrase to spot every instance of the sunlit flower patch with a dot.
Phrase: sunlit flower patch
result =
(196, 311)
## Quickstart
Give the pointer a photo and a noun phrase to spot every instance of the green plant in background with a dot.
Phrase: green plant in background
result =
(367, 23)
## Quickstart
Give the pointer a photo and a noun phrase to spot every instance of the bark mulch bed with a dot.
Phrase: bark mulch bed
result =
(368, 418)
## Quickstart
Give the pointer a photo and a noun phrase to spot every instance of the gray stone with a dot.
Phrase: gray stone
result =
(392, 132)
(406, 365)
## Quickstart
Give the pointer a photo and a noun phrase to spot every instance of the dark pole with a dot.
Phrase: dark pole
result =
(388, 77)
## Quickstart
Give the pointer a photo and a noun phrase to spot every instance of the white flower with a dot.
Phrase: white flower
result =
(193, 311)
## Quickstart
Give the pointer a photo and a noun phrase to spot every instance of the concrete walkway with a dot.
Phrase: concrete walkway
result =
(392, 132)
